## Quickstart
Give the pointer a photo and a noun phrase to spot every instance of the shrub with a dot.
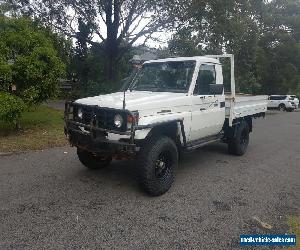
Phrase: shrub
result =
(30, 96)
(29, 60)
(5, 75)
(95, 88)
(11, 108)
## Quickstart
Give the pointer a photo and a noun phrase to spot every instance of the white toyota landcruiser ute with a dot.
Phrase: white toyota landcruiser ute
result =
(171, 106)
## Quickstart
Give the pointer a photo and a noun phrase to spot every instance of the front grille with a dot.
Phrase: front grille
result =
(102, 117)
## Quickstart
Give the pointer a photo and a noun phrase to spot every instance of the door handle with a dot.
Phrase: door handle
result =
(202, 97)
(202, 109)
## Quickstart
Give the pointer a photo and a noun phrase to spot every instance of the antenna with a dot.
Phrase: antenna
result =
(124, 98)
(128, 87)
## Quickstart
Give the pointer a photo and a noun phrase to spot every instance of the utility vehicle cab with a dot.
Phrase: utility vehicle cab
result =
(171, 105)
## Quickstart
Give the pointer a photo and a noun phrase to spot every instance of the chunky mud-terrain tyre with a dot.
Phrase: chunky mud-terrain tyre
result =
(93, 161)
(157, 161)
(238, 144)
(281, 107)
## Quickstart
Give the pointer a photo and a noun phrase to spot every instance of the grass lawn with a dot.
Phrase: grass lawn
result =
(294, 223)
(42, 127)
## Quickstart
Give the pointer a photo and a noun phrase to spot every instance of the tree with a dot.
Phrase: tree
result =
(28, 59)
(278, 60)
(264, 36)
(115, 24)
(183, 43)
(81, 51)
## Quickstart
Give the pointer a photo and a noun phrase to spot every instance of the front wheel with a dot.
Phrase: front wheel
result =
(93, 161)
(158, 159)
(238, 144)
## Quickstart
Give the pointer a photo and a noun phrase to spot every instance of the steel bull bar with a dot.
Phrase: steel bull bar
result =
(93, 138)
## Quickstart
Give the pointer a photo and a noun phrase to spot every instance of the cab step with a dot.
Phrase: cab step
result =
(203, 141)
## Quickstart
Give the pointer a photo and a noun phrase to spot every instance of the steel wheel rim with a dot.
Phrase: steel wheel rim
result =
(244, 138)
(163, 164)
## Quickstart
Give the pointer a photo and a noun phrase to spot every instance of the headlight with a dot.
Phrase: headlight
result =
(118, 121)
(79, 113)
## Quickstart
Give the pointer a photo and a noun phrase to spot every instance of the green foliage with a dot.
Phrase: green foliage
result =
(184, 44)
(29, 60)
(90, 75)
(5, 75)
(30, 95)
(96, 88)
(263, 35)
(11, 108)
(38, 72)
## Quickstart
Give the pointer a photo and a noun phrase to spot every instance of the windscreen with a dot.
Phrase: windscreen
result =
(164, 77)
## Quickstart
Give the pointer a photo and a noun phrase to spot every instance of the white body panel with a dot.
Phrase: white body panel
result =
(207, 116)
(247, 105)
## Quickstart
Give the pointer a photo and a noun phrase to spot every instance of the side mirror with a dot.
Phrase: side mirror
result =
(216, 89)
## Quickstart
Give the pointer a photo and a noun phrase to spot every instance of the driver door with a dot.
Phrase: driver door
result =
(208, 111)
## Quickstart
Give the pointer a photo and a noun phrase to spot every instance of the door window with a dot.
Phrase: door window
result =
(278, 98)
(206, 76)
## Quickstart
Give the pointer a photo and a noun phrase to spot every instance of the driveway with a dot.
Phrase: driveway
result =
(48, 200)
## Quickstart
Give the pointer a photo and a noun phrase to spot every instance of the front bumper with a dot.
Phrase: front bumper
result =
(94, 139)
(100, 145)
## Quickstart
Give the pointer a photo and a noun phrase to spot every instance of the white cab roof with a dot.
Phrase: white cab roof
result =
(200, 59)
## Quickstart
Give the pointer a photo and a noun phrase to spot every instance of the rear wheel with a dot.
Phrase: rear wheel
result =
(281, 107)
(238, 144)
(93, 161)
(157, 160)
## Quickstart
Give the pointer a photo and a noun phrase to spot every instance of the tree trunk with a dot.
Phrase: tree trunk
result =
(111, 46)
(110, 62)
